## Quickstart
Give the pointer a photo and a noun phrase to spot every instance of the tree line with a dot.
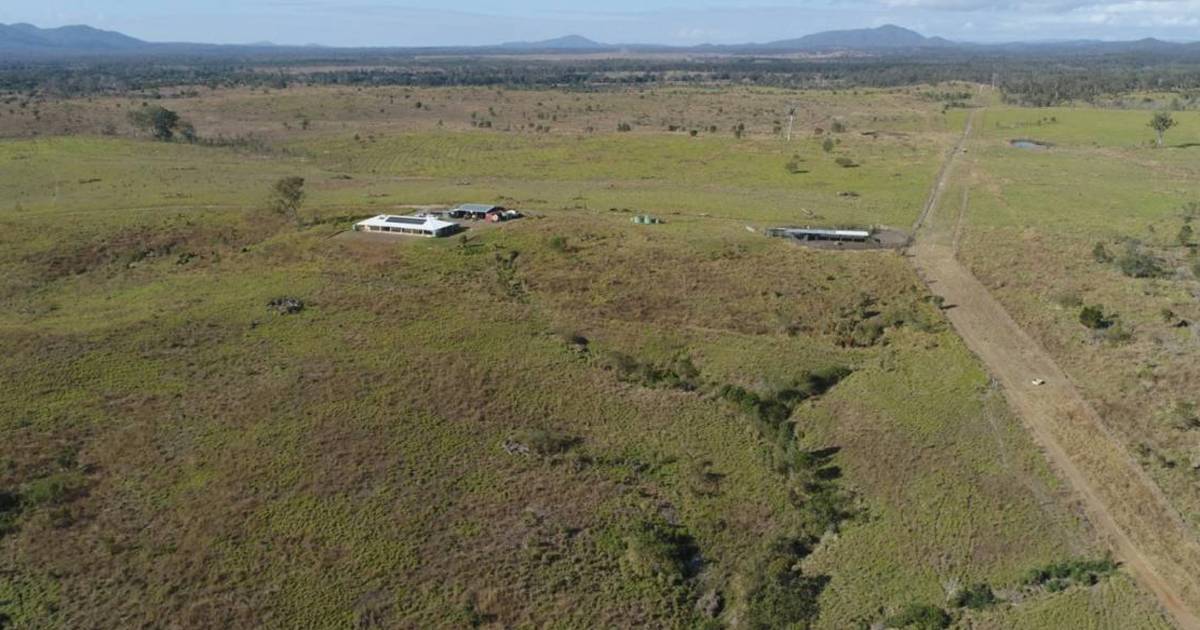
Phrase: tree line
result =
(1050, 81)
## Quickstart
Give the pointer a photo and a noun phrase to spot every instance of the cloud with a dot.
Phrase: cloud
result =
(1036, 7)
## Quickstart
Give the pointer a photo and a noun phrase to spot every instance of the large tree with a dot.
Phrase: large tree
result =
(161, 122)
(1161, 122)
(287, 195)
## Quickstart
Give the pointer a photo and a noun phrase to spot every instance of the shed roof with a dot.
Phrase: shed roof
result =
(830, 233)
(477, 207)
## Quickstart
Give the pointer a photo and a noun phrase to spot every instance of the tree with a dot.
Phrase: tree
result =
(827, 145)
(287, 195)
(1161, 122)
(1185, 235)
(161, 122)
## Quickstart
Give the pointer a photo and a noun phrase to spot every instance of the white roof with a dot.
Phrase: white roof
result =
(429, 224)
(835, 233)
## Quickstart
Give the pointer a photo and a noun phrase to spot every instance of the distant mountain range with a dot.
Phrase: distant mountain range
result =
(27, 37)
(887, 36)
(570, 42)
(26, 40)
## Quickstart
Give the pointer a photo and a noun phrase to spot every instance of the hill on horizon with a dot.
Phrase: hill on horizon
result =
(886, 36)
(568, 42)
(18, 40)
(78, 37)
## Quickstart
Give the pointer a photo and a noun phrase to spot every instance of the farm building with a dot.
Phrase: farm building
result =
(819, 234)
(416, 226)
(475, 211)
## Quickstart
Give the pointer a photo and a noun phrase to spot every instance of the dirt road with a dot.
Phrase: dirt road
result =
(1126, 508)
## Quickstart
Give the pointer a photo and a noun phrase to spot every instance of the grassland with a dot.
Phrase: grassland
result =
(184, 455)
(1033, 223)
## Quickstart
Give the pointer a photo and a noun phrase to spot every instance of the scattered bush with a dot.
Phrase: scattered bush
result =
(1183, 416)
(541, 442)
(1072, 572)
(1117, 333)
(286, 305)
(656, 549)
(1136, 263)
(506, 275)
(921, 617)
(10, 507)
(55, 489)
(679, 373)
(781, 595)
(559, 244)
(575, 340)
(1093, 317)
(702, 481)
(975, 597)
(821, 505)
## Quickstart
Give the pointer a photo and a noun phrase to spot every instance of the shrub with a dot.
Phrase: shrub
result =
(679, 373)
(1101, 254)
(657, 549)
(920, 616)
(827, 145)
(544, 442)
(1118, 333)
(1060, 575)
(10, 507)
(1136, 263)
(1093, 317)
(1196, 268)
(559, 244)
(838, 127)
(1183, 416)
(975, 597)
(1185, 235)
(781, 595)
(846, 162)
(55, 489)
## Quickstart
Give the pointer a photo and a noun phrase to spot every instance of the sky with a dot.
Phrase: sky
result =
(676, 22)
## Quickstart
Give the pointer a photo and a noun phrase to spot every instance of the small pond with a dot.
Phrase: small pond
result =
(1032, 145)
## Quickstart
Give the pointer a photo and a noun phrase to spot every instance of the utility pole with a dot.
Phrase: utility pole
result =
(791, 119)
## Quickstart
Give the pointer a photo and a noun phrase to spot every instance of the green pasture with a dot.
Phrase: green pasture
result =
(217, 464)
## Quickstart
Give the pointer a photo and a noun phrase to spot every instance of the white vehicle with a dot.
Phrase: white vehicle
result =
(1038, 381)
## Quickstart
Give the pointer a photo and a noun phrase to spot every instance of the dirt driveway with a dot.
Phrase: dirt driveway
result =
(1122, 503)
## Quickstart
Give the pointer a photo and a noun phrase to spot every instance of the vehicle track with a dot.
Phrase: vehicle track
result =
(1124, 506)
